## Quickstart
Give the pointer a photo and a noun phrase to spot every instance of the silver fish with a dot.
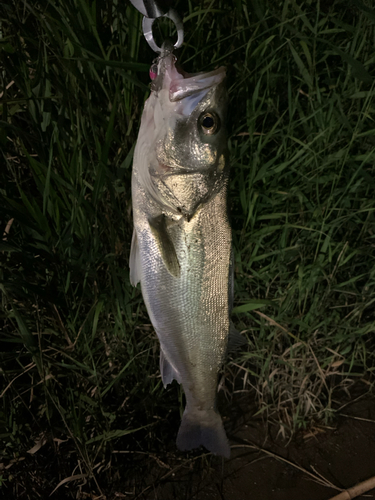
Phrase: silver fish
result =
(181, 246)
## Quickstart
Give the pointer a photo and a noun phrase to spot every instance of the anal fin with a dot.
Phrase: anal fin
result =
(168, 373)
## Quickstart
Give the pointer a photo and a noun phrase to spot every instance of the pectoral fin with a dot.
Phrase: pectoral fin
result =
(165, 245)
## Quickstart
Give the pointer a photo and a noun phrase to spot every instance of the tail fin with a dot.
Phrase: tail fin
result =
(203, 428)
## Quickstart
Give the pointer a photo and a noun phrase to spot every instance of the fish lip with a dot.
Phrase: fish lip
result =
(175, 169)
(163, 167)
(208, 74)
(168, 171)
(182, 88)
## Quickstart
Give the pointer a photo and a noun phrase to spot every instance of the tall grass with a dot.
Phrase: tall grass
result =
(79, 358)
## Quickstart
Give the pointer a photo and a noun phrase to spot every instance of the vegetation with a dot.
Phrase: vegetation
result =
(81, 398)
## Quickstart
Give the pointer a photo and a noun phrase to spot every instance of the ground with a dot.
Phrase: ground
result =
(342, 454)
(264, 465)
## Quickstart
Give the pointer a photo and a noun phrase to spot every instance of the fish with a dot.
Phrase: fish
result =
(181, 250)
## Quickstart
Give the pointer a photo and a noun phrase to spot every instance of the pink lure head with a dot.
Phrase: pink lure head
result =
(153, 71)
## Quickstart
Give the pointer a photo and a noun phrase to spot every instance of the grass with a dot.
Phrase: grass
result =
(78, 357)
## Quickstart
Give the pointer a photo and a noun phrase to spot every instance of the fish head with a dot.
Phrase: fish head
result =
(197, 137)
(191, 138)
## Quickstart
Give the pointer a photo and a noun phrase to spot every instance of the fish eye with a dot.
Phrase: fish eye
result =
(209, 123)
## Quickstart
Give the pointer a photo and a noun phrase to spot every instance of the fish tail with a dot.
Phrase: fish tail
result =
(203, 427)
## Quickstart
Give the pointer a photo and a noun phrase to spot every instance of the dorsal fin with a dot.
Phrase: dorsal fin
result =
(235, 339)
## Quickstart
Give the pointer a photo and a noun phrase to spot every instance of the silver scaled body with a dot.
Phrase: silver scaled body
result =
(181, 247)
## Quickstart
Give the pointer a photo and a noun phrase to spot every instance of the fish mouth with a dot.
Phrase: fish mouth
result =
(172, 169)
(175, 169)
(194, 83)
(163, 167)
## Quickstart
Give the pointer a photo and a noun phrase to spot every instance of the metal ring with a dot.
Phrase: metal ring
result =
(152, 8)
(147, 30)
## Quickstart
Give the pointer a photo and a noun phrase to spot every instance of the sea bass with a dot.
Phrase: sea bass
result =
(181, 247)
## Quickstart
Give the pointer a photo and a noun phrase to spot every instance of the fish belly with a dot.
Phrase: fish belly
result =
(190, 313)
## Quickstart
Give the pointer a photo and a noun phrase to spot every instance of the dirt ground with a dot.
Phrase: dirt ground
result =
(314, 465)
(342, 454)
